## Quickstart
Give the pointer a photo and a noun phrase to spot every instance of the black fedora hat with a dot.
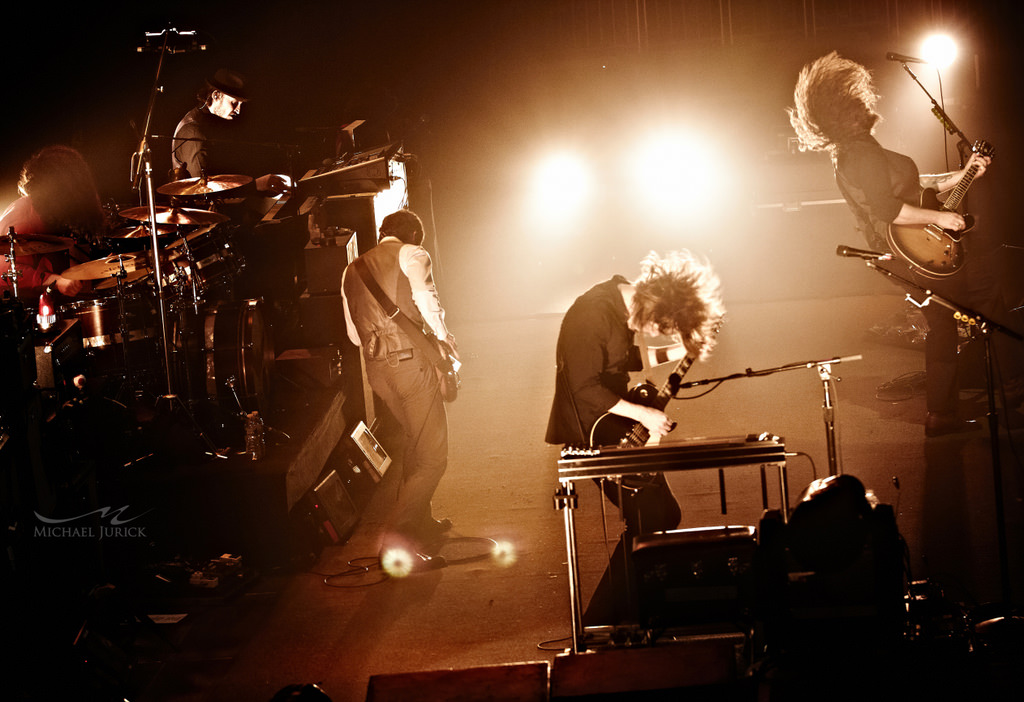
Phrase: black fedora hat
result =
(230, 82)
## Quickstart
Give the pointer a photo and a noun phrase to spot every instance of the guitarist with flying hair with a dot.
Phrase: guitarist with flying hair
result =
(675, 296)
(834, 111)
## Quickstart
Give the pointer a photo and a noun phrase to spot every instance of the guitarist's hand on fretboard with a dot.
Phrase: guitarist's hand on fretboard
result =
(979, 161)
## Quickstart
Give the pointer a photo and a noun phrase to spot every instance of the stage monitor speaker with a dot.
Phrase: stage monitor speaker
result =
(334, 512)
(695, 576)
(661, 672)
(515, 682)
(310, 368)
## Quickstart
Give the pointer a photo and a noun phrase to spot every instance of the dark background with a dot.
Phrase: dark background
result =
(477, 91)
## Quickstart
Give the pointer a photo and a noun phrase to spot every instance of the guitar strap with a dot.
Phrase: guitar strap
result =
(412, 330)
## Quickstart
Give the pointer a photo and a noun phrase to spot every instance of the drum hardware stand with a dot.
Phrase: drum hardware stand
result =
(12, 274)
(142, 170)
(985, 327)
(193, 274)
(828, 406)
(251, 421)
(122, 319)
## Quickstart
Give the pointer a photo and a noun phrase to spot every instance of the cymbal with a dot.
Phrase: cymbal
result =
(177, 216)
(140, 232)
(107, 267)
(204, 186)
(35, 244)
(189, 237)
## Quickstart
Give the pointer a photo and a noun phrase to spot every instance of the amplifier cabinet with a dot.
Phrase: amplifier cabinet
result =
(695, 576)
(59, 355)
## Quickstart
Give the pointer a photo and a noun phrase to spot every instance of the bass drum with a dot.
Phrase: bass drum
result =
(236, 356)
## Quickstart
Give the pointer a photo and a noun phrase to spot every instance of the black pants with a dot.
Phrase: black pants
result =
(646, 502)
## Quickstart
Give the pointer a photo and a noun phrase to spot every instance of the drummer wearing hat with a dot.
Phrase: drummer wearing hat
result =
(194, 152)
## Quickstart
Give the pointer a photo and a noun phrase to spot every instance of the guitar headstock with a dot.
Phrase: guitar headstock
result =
(983, 148)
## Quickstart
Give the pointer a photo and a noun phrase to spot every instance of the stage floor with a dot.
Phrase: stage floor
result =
(337, 624)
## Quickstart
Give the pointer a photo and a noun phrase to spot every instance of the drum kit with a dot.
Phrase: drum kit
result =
(219, 348)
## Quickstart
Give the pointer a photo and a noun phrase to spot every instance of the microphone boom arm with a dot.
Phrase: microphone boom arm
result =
(937, 110)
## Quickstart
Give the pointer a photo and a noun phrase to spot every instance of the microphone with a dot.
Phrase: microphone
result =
(903, 59)
(851, 252)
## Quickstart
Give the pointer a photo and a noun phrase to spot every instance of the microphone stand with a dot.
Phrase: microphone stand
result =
(824, 368)
(142, 170)
(941, 115)
(986, 327)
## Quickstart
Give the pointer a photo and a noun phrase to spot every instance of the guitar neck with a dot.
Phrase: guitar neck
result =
(956, 195)
(665, 391)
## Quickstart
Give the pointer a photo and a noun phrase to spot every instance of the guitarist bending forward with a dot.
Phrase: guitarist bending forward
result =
(835, 100)
(674, 296)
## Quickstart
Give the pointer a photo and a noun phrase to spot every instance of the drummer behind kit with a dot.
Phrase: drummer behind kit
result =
(222, 351)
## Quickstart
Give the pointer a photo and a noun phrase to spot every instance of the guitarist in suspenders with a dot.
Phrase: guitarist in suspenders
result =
(835, 101)
(674, 296)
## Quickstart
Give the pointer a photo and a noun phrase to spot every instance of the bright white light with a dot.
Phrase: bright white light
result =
(670, 172)
(939, 50)
(504, 553)
(396, 562)
(561, 185)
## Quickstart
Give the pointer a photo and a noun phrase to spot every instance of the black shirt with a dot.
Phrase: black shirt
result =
(875, 183)
(595, 354)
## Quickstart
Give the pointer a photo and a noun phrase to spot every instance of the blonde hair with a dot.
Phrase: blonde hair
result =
(679, 294)
(834, 101)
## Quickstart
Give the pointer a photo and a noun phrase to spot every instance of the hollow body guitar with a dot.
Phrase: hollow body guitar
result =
(616, 430)
(931, 250)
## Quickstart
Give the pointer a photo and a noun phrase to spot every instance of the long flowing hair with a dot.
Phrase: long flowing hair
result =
(679, 294)
(834, 101)
(63, 191)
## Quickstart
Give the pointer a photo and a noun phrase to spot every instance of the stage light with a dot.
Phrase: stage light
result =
(561, 185)
(829, 528)
(672, 172)
(939, 50)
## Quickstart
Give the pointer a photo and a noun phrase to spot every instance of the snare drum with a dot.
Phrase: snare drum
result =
(101, 324)
(106, 349)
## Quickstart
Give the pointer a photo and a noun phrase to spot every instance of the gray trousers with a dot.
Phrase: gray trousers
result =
(410, 390)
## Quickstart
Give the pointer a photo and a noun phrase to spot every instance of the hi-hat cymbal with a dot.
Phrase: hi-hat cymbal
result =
(34, 244)
(210, 185)
(140, 232)
(177, 216)
(107, 267)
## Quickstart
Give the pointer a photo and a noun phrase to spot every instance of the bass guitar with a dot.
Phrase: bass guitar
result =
(931, 250)
(616, 430)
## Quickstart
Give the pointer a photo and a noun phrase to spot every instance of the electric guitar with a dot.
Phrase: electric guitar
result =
(614, 429)
(447, 367)
(933, 251)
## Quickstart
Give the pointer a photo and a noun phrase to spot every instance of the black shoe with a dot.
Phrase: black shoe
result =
(421, 563)
(434, 530)
(943, 424)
